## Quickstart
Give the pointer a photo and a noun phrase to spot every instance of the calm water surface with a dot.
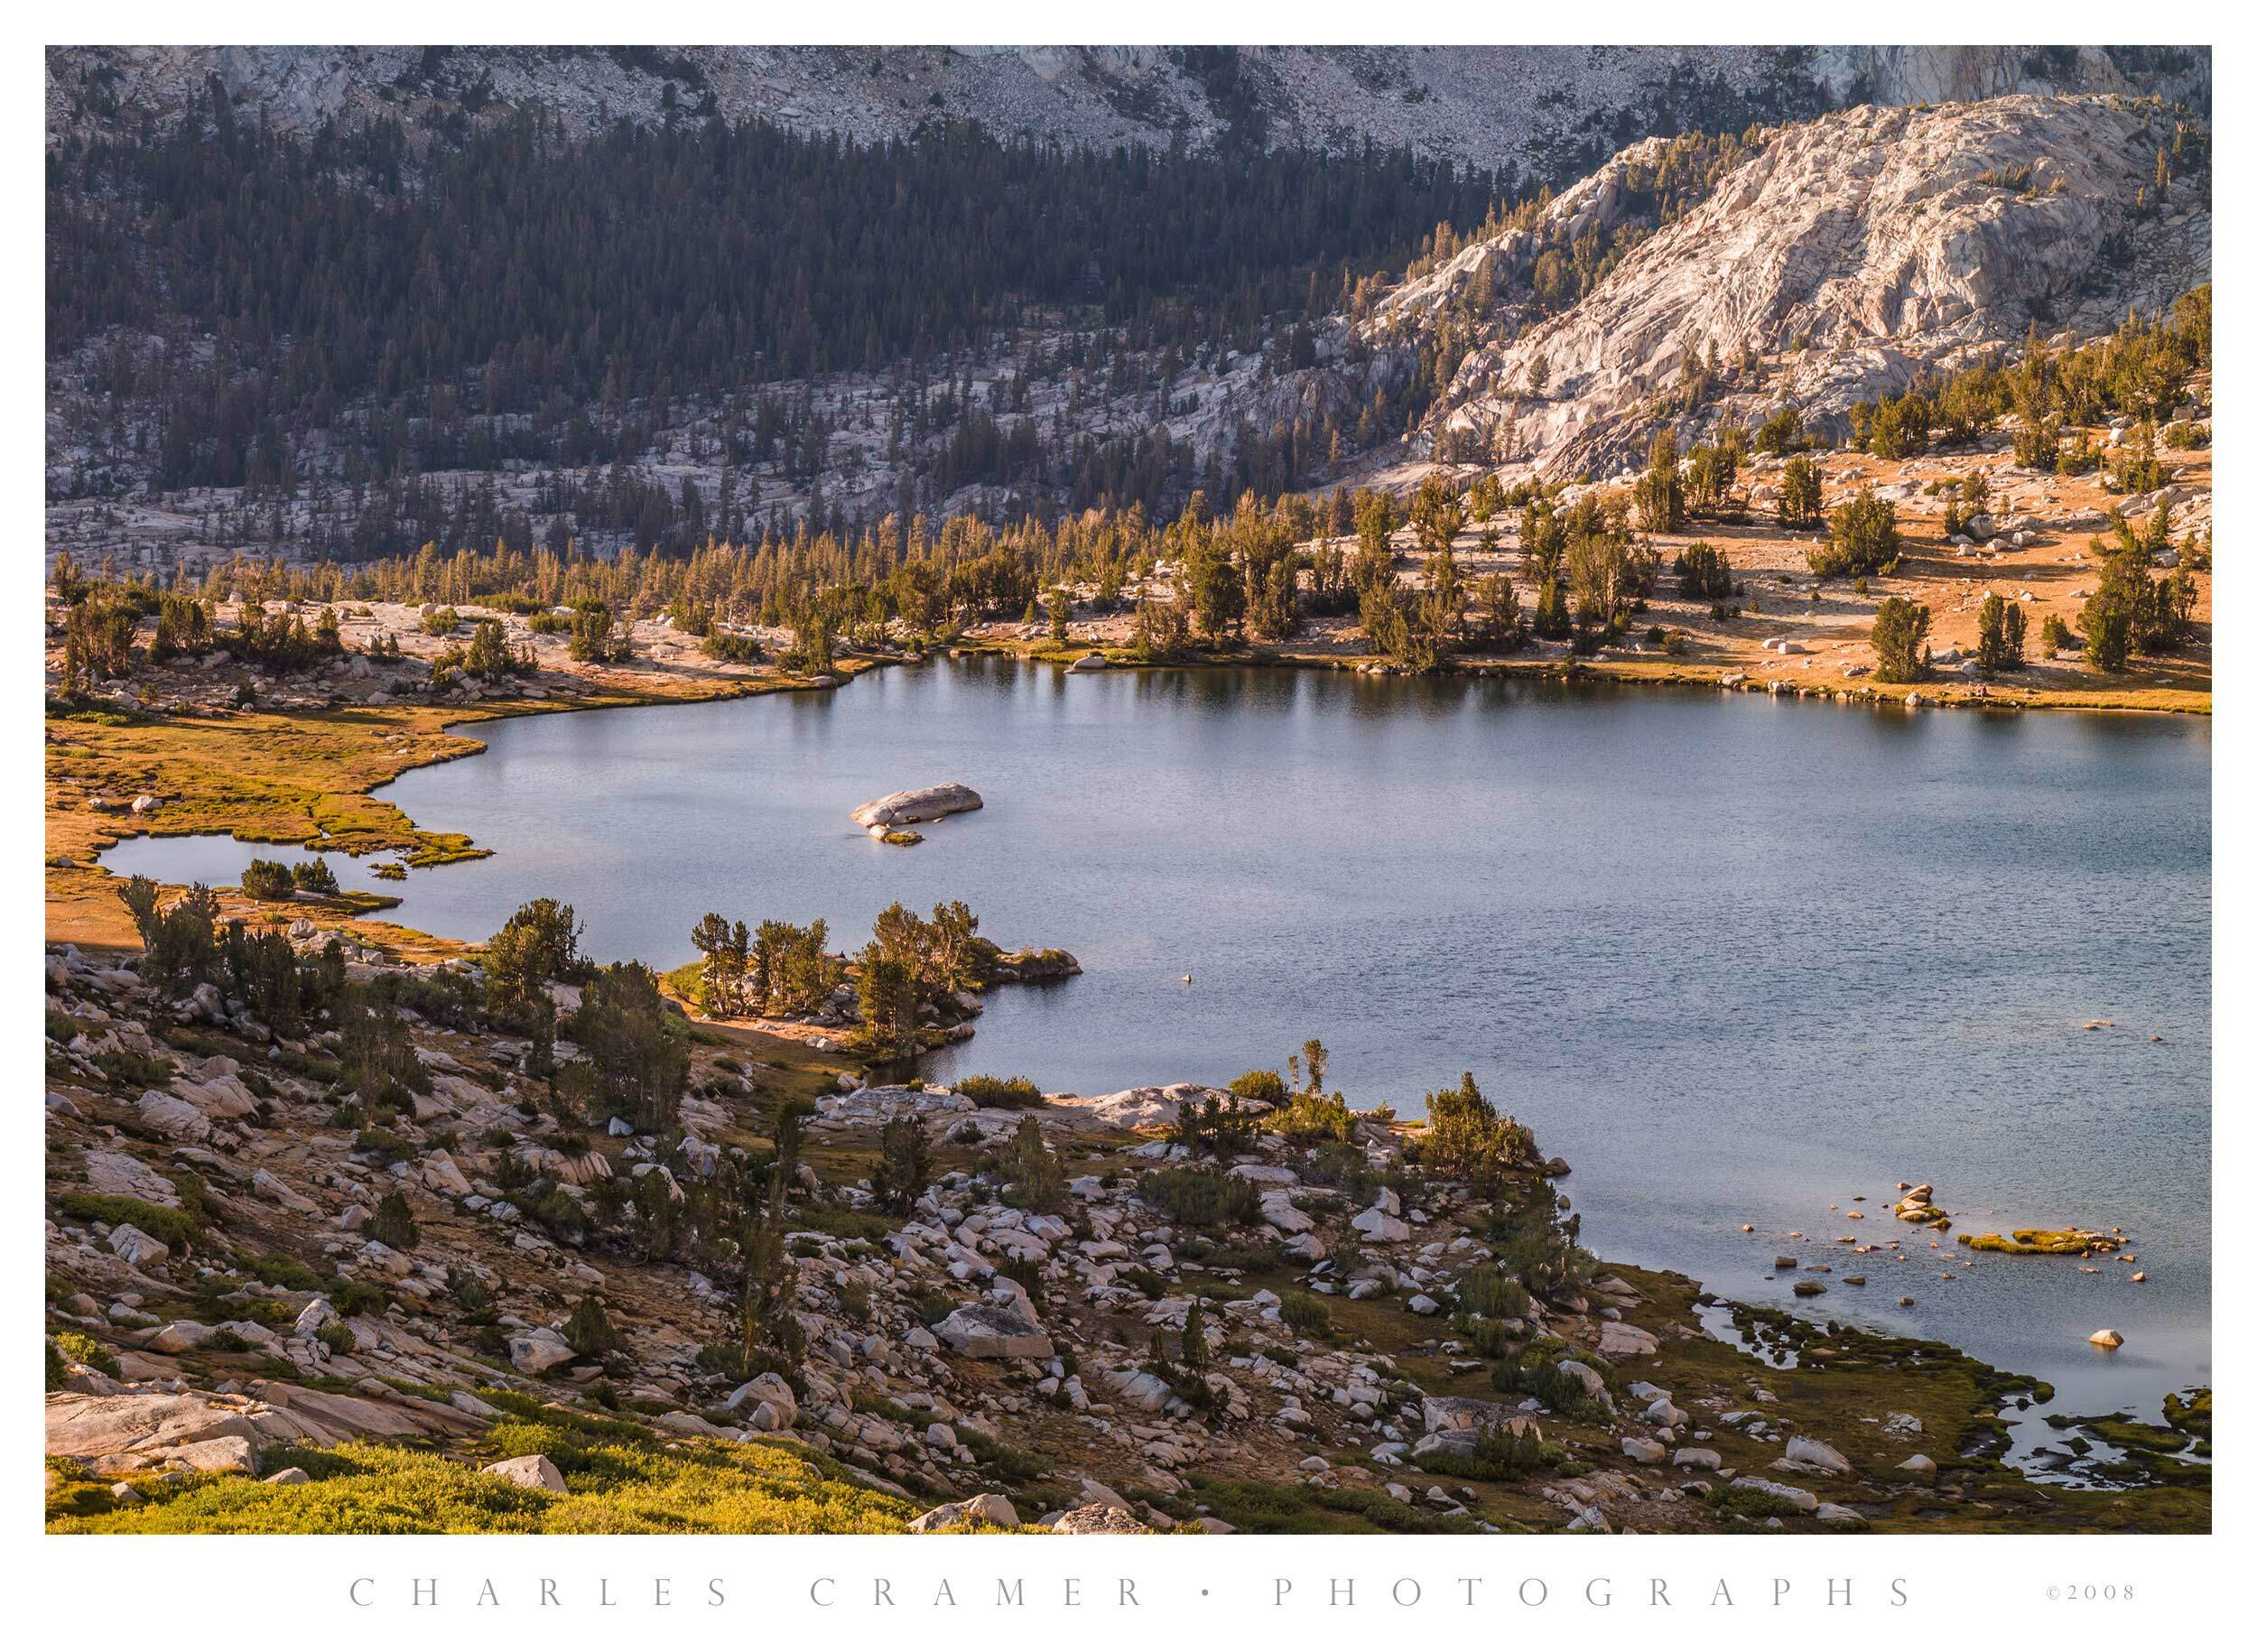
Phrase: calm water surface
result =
(1737, 960)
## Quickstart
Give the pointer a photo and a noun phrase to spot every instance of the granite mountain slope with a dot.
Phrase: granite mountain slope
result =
(1846, 257)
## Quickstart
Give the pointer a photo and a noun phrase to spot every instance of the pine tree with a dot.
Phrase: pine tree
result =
(1660, 492)
(905, 1166)
(393, 1222)
(1801, 495)
(1899, 630)
(1195, 1337)
(1038, 1182)
(589, 1330)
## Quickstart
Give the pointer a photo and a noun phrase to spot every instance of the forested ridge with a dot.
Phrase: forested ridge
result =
(514, 273)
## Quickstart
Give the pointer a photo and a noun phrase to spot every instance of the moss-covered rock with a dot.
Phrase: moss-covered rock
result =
(2045, 1242)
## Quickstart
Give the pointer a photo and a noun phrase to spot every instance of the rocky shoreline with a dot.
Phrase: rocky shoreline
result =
(1165, 1306)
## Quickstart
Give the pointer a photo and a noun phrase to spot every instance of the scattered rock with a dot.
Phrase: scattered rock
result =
(1794, 1496)
(984, 1330)
(988, 1509)
(1817, 1454)
(1098, 1518)
(535, 1473)
(137, 1248)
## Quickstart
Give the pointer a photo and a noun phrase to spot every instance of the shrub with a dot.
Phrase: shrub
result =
(1309, 1117)
(1749, 1503)
(354, 1297)
(393, 1224)
(175, 1227)
(623, 1478)
(842, 1224)
(1201, 1198)
(284, 1272)
(1492, 1293)
(472, 1292)
(1898, 635)
(79, 1346)
(1260, 1084)
(1497, 1453)
(1465, 1137)
(314, 877)
(1006, 1462)
(1538, 1374)
(1801, 495)
(1037, 1180)
(1703, 570)
(555, 1210)
(269, 880)
(1143, 1279)
(384, 1146)
(733, 648)
(1341, 1165)
(1999, 631)
(2056, 636)
(1305, 1313)
(1861, 538)
(1214, 1126)
(587, 1332)
(1489, 1338)
(983, 1090)
(134, 1070)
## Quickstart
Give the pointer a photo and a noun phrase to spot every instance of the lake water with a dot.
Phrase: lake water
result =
(1738, 959)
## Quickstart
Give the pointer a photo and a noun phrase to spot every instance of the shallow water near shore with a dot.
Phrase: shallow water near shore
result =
(1739, 959)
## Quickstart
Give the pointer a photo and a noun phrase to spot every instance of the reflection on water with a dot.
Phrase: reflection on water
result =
(1737, 960)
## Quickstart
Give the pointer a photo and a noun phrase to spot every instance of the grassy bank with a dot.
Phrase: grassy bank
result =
(299, 777)
(619, 1476)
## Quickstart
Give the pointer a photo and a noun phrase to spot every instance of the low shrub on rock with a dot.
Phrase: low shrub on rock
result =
(1201, 1198)
(983, 1090)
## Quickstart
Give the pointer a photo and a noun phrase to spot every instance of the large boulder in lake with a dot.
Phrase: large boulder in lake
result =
(922, 803)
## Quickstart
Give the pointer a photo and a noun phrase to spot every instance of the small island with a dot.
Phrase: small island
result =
(885, 817)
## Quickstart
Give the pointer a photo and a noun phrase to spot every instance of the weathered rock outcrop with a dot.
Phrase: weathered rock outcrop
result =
(1532, 105)
(1857, 249)
(985, 1331)
(1156, 1106)
(119, 1433)
(213, 1433)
